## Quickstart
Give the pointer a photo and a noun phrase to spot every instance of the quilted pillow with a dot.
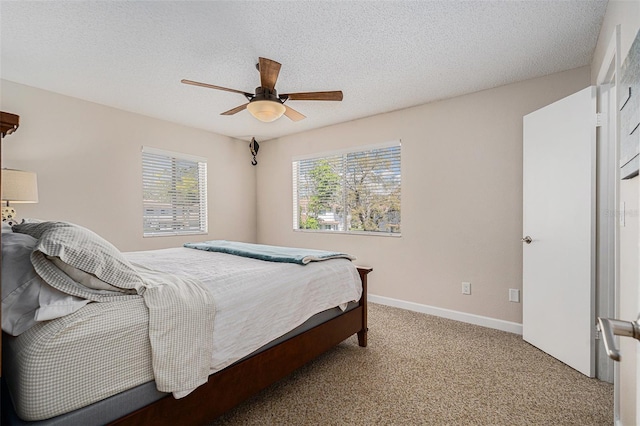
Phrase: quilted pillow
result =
(84, 250)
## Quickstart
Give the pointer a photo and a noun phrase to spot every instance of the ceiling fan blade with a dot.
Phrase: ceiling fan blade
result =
(269, 71)
(211, 86)
(292, 114)
(335, 95)
(235, 110)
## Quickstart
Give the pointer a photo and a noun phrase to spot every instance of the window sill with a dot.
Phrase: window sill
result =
(361, 233)
(174, 234)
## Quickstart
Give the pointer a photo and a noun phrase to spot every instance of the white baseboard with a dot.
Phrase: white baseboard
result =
(511, 327)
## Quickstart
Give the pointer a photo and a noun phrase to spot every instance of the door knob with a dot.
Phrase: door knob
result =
(614, 327)
(527, 239)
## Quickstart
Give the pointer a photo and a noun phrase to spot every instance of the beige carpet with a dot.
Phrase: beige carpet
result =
(421, 369)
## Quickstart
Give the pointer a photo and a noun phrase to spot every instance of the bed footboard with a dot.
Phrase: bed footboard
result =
(362, 334)
(231, 386)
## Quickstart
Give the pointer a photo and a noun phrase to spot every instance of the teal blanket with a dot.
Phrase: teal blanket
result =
(268, 253)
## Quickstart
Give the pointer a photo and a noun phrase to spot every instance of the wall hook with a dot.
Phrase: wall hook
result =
(254, 146)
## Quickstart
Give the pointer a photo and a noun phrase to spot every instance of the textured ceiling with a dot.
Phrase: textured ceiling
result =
(383, 55)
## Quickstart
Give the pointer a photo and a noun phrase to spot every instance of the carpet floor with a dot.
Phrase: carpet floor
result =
(420, 369)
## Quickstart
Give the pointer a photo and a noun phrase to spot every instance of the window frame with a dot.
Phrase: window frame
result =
(201, 164)
(341, 152)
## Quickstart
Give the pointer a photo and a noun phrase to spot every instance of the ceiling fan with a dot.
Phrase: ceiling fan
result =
(265, 104)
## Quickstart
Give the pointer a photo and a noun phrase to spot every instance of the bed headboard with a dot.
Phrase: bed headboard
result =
(8, 123)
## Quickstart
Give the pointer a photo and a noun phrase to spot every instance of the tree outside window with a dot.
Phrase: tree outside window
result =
(352, 192)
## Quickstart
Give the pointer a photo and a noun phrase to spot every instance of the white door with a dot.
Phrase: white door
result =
(559, 217)
(638, 359)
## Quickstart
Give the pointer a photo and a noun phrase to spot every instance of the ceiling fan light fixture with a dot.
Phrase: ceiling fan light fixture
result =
(266, 110)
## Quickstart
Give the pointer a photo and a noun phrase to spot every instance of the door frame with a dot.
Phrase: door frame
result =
(608, 281)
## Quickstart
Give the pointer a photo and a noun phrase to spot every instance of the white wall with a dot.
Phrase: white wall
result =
(627, 15)
(461, 195)
(88, 160)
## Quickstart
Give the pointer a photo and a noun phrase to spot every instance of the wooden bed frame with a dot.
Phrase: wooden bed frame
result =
(233, 385)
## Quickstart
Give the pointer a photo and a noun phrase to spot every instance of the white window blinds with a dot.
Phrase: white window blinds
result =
(174, 188)
(352, 191)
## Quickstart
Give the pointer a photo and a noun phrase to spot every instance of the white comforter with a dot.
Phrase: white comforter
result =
(254, 299)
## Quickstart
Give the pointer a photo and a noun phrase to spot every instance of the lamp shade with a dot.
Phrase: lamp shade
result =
(19, 186)
(266, 111)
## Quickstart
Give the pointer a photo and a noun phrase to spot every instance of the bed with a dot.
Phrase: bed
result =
(259, 335)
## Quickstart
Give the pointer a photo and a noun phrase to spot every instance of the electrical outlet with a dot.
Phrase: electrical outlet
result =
(466, 288)
(514, 295)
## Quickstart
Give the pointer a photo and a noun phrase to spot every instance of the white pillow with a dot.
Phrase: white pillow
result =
(24, 293)
(55, 304)
(87, 280)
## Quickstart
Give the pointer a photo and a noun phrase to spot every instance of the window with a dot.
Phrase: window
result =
(350, 191)
(174, 191)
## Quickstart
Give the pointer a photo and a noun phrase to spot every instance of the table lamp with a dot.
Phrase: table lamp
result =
(17, 187)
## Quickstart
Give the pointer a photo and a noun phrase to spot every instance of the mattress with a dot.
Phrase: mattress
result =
(103, 349)
(114, 407)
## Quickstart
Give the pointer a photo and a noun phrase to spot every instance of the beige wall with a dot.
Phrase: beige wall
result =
(627, 15)
(88, 160)
(461, 195)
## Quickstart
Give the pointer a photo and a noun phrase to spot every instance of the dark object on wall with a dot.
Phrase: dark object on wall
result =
(254, 146)
(630, 112)
(8, 123)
